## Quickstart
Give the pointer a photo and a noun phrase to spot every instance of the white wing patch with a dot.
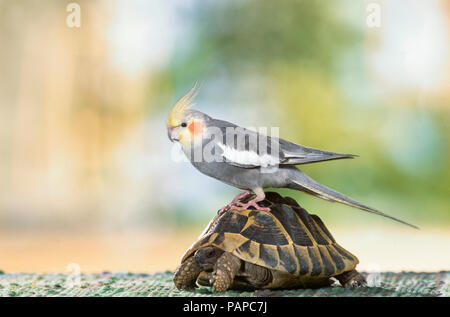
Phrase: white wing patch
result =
(248, 157)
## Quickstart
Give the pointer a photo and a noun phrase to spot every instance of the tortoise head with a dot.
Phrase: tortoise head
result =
(207, 257)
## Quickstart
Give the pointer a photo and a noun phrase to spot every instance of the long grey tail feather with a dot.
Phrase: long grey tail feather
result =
(321, 157)
(306, 184)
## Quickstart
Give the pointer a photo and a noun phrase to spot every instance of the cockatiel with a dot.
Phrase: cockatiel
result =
(214, 149)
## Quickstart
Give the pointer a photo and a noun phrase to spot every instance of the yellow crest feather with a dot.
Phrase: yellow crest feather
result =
(185, 103)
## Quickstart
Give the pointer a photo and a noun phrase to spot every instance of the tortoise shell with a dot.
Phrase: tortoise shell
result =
(287, 239)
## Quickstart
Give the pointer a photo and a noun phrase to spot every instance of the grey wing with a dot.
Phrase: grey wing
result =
(295, 154)
(249, 149)
(242, 147)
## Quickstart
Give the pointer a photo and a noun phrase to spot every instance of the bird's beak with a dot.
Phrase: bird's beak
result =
(171, 133)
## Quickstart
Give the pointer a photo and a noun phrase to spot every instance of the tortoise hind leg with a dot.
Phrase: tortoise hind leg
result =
(351, 279)
(186, 275)
(227, 267)
(257, 276)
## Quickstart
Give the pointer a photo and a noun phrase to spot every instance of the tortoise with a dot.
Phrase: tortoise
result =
(284, 248)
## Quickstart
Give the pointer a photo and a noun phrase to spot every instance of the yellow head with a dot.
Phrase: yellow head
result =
(185, 124)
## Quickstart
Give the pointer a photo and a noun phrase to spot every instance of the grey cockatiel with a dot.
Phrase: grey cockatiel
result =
(248, 160)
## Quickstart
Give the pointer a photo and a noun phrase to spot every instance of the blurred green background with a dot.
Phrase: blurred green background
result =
(88, 174)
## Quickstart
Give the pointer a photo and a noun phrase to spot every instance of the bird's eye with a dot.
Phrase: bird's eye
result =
(184, 124)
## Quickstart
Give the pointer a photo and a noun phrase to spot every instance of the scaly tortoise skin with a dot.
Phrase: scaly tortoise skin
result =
(284, 248)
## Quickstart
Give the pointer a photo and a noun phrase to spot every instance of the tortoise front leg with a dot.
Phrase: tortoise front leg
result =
(186, 275)
(227, 267)
(351, 279)
(205, 278)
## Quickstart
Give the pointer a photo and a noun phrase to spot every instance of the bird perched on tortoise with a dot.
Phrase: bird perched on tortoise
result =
(284, 248)
(249, 160)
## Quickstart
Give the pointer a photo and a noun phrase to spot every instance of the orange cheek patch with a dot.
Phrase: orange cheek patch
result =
(196, 127)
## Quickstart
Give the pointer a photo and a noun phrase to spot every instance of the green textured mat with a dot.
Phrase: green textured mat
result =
(131, 284)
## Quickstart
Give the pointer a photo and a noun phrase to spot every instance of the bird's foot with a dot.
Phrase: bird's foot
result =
(252, 203)
(223, 209)
(234, 201)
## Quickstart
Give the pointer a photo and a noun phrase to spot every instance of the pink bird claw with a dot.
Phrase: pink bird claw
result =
(252, 203)
(234, 202)
(223, 209)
